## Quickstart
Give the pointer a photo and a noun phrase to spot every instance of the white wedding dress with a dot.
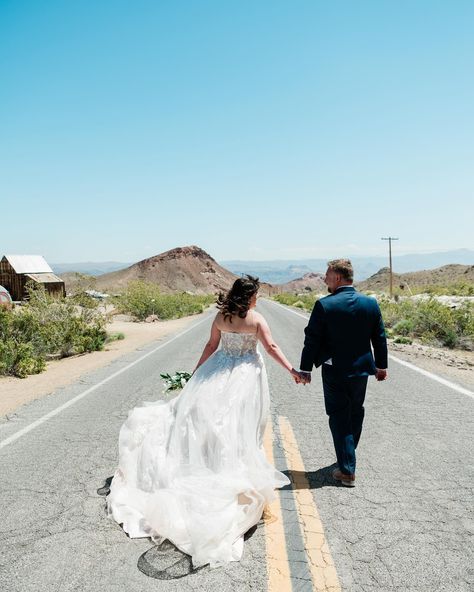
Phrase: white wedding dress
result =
(193, 470)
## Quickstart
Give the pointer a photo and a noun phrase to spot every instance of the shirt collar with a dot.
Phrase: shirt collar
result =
(351, 287)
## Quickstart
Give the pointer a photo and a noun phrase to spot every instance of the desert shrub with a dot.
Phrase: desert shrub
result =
(19, 359)
(454, 289)
(403, 327)
(303, 301)
(142, 299)
(45, 327)
(431, 321)
(65, 327)
(114, 337)
(401, 339)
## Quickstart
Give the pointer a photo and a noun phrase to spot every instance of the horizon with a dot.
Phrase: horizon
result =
(368, 256)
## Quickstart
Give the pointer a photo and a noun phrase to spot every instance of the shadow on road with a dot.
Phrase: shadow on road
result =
(165, 561)
(312, 479)
(105, 489)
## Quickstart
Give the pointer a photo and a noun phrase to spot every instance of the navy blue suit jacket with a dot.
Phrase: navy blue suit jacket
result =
(343, 326)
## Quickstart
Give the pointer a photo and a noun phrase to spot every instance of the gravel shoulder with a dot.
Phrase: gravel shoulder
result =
(16, 392)
(452, 364)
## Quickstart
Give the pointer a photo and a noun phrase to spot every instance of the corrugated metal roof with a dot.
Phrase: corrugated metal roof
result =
(44, 278)
(28, 264)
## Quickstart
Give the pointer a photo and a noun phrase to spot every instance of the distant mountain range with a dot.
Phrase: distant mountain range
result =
(310, 282)
(283, 271)
(89, 267)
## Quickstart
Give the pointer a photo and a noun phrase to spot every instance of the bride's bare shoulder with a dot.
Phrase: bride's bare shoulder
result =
(219, 319)
(258, 318)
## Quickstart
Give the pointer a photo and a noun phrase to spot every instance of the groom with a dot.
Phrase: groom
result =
(339, 335)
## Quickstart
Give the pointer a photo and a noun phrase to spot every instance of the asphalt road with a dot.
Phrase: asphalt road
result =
(406, 526)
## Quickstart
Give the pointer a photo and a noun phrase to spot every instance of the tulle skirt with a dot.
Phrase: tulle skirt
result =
(192, 469)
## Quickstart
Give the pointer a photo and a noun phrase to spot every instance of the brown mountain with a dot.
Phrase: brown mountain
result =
(310, 282)
(441, 276)
(178, 270)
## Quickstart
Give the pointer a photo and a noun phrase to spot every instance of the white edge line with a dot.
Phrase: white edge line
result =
(298, 314)
(435, 377)
(78, 397)
(439, 379)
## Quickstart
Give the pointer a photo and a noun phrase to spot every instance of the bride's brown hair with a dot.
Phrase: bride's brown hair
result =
(237, 299)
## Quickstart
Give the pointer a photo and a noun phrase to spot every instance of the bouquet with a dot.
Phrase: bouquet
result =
(175, 381)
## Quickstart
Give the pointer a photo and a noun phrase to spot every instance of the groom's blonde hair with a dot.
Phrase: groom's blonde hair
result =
(342, 267)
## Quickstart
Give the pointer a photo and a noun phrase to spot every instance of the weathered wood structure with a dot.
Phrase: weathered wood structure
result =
(17, 270)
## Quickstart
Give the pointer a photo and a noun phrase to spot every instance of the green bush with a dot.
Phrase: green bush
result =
(114, 337)
(143, 299)
(454, 289)
(403, 327)
(401, 339)
(431, 321)
(303, 301)
(47, 327)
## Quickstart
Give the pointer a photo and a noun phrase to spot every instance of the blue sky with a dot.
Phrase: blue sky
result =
(256, 130)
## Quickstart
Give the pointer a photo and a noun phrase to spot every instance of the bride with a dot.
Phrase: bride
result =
(192, 469)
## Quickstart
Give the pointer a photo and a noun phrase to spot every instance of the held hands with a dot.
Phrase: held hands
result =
(301, 377)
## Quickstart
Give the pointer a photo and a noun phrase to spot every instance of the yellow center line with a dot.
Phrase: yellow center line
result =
(278, 568)
(321, 564)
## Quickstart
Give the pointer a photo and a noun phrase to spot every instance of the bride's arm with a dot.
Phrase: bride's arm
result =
(211, 345)
(272, 348)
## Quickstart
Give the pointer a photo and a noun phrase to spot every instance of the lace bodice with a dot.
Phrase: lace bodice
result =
(238, 344)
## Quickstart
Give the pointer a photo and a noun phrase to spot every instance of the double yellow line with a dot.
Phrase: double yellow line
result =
(318, 555)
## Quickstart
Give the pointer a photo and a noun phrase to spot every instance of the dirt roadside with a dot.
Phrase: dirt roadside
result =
(452, 364)
(15, 392)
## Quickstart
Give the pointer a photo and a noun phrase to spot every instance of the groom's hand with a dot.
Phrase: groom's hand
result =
(296, 375)
(305, 377)
(380, 374)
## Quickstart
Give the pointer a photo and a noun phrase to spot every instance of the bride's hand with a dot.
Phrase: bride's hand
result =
(296, 375)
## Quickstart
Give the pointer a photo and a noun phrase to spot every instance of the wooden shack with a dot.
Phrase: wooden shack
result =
(17, 270)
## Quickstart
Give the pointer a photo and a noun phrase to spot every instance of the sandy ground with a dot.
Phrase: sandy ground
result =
(18, 391)
(454, 365)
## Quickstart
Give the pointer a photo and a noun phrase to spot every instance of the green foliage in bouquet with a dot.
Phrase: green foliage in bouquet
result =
(175, 381)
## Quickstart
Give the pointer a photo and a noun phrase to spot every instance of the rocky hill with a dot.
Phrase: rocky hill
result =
(416, 280)
(310, 282)
(178, 270)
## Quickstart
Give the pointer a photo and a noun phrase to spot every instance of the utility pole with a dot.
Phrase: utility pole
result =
(390, 239)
